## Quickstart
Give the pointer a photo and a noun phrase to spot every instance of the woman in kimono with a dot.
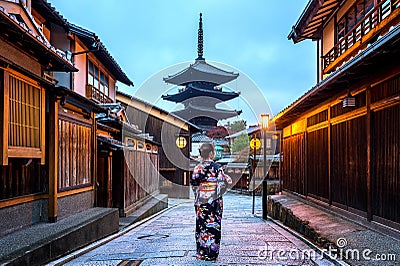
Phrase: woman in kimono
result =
(209, 183)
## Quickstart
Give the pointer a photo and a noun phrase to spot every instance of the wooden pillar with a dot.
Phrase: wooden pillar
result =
(305, 185)
(109, 180)
(5, 125)
(280, 160)
(53, 159)
(368, 129)
(93, 144)
(329, 156)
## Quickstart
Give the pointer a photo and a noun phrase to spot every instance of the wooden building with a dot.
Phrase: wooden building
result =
(127, 162)
(341, 138)
(29, 124)
(52, 159)
(174, 136)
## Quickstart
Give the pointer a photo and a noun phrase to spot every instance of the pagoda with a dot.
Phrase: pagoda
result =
(201, 90)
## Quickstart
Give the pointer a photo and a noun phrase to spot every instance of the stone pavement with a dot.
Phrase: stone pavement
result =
(168, 239)
(348, 239)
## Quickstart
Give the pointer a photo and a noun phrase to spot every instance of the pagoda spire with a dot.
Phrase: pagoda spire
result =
(200, 40)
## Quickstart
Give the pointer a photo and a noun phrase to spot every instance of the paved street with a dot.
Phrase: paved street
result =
(168, 239)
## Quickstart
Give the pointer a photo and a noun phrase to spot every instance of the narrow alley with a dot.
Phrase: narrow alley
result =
(168, 239)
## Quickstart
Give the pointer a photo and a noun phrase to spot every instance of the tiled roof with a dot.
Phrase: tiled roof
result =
(194, 91)
(88, 37)
(193, 126)
(201, 71)
(200, 137)
(34, 41)
(192, 110)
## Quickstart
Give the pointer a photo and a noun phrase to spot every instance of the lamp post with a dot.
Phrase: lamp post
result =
(264, 127)
(253, 178)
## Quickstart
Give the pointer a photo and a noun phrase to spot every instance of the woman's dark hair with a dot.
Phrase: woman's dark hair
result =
(205, 150)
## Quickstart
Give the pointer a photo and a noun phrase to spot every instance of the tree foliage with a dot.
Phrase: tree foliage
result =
(240, 143)
(237, 126)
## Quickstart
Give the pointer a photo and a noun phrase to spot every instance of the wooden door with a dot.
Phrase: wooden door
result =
(104, 182)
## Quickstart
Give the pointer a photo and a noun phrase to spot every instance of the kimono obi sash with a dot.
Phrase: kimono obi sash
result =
(207, 190)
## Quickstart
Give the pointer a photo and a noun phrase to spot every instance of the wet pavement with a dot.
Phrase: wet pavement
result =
(168, 239)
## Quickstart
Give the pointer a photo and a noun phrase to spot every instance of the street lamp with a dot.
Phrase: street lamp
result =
(181, 142)
(264, 128)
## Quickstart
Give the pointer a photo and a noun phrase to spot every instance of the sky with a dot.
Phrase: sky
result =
(145, 37)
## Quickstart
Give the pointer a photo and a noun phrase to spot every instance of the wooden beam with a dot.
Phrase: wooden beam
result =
(53, 160)
(75, 191)
(21, 200)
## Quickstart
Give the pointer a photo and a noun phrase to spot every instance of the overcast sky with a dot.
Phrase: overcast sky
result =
(147, 36)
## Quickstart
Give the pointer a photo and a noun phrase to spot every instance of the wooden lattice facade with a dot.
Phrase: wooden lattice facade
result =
(341, 139)
(350, 160)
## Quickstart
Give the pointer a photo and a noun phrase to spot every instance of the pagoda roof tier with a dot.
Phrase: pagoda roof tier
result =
(201, 71)
(191, 111)
(192, 91)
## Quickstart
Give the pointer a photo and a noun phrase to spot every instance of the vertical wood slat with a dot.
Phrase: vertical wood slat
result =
(11, 118)
(19, 96)
(29, 118)
(60, 153)
(74, 154)
(385, 170)
(26, 123)
(329, 157)
(368, 170)
(317, 167)
(26, 114)
(67, 155)
(24, 88)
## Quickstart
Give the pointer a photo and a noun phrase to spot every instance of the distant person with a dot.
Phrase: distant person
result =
(209, 184)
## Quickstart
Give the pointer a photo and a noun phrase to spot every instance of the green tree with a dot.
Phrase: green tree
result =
(240, 143)
(237, 126)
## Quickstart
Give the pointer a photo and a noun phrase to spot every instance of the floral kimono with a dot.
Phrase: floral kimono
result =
(209, 183)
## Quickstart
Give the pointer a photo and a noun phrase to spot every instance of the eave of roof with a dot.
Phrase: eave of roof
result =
(88, 38)
(48, 55)
(196, 111)
(385, 50)
(201, 71)
(46, 9)
(193, 91)
(310, 23)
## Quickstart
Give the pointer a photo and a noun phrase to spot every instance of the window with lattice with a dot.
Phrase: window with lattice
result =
(22, 119)
(24, 114)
